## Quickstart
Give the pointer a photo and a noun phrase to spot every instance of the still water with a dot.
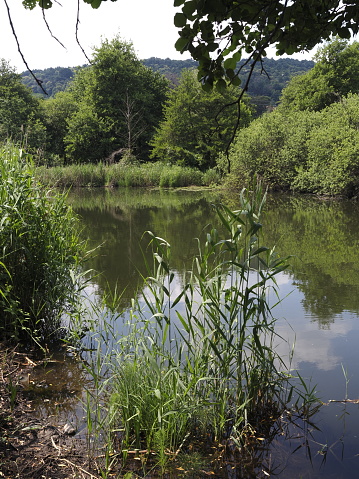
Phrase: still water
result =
(319, 313)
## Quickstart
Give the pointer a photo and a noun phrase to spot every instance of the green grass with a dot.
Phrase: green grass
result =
(134, 175)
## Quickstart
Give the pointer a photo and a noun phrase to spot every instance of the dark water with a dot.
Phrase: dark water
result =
(319, 312)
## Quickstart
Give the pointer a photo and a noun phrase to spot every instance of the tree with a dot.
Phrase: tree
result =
(20, 115)
(217, 33)
(198, 125)
(334, 76)
(57, 111)
(118, 104)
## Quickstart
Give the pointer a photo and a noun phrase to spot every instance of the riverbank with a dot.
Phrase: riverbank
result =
(30, 446)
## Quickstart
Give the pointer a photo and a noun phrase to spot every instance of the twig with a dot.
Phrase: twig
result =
(76, 32)
(49, 29)
(79, 468)
(55, 446)
(38, 81)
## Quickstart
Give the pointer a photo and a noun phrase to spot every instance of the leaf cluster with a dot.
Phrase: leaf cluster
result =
(217, 33)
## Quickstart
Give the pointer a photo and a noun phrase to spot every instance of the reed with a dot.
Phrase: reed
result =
(41, 253)
(199, 366)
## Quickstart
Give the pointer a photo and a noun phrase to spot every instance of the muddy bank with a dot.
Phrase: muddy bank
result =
(32, 446)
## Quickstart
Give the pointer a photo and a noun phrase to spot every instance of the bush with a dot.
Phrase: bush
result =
(40, 253)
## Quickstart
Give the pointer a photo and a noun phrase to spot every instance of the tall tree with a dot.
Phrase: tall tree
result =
(198, 125)
(20, 115)
(103, 93)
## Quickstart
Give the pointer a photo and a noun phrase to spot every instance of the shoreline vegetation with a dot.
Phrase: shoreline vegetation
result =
(196, 374)
(154, 174)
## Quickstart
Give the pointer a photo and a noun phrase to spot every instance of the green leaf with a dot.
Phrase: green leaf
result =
(180, 20)
(181, 44)
(230, 63)
(189, 8)
(96, 3)
(178, 3)
(221, 85)
(45, 3)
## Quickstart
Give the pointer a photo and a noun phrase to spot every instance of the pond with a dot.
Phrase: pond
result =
(319, 313)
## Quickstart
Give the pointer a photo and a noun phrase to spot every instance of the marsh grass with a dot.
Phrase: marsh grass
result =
(124, 175)
(198, 366)
(40, 255)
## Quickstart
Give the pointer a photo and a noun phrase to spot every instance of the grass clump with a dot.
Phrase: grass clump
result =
(198, 365)
(40, 253)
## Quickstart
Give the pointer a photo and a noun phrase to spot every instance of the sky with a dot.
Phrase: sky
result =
(147, 23)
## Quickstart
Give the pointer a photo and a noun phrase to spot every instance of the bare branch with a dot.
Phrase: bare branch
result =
(38, 81)
(49, 29)
(76, 32)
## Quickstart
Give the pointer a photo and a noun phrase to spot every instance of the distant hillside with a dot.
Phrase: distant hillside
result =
(53, 79)
(265, 87)
(171, 69)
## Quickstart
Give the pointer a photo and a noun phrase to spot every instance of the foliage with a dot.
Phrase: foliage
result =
(216, 34)
(56, 113)
(20, 114)
(268, 79)
(335, 75)
(118, 104)
(119, 174)
(40, 254)
(305, 151)
(198, 125)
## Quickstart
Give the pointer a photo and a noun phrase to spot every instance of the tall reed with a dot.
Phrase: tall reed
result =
(123, 174)
(199, 364)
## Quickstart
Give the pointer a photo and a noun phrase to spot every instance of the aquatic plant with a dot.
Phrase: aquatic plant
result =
(125, 174)
(199, 366)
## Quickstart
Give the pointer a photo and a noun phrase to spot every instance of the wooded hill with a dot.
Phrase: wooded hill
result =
(265, 88)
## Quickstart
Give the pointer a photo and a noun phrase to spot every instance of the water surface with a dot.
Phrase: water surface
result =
(319, 312)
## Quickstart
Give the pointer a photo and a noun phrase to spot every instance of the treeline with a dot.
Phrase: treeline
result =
(267, 82)
(118, 110)
(310, 143)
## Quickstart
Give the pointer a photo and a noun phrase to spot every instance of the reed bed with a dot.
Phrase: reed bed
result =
(196, 367)
(41, 254)
(123, 174)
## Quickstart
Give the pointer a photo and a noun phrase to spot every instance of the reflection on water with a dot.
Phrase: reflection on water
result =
(319, 312)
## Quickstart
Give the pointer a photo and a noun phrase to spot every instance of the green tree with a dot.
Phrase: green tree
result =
(57, 111)
(335, 74)
(306, 151)
(118, 104)
(198, 125)
(20, 117)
